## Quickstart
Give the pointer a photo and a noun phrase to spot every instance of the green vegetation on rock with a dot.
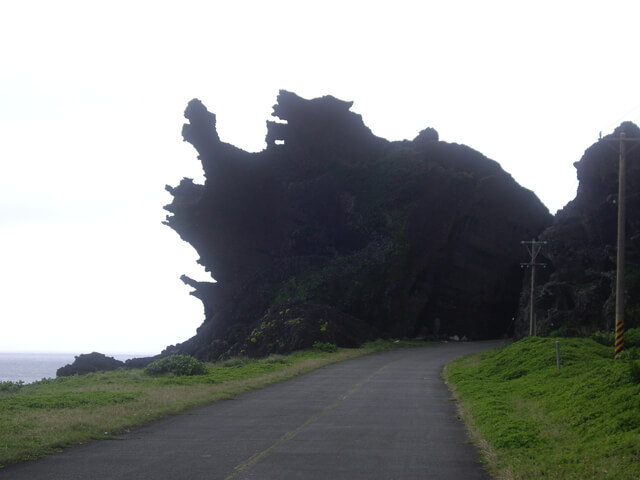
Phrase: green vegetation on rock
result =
(533, 421)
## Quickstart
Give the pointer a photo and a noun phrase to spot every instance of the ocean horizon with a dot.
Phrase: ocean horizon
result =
(30, 367)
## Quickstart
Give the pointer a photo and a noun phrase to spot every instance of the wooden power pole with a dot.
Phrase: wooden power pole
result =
(533, 247)
(619, 345)
(622, 181)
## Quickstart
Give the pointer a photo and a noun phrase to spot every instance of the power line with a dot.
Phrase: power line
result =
(620, 119)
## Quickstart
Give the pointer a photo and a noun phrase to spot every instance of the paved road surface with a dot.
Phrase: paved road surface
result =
(383, 416)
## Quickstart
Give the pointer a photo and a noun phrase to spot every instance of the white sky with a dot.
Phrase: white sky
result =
(92, 96)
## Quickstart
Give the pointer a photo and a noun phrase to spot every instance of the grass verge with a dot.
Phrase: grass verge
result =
(43, 417)
(531, 421)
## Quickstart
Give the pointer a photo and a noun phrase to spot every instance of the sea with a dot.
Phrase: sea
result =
(30, 367)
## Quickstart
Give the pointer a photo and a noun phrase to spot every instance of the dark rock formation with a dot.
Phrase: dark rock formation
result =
(140, 362)
(89, 362)
(349, 235)
(575, 295)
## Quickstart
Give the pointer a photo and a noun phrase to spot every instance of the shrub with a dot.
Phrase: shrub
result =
(274, 358)
(11, 387)
(632, 353)
(562, 332)
(635, 372)
(235, 362)
(325, 347)
(603, 338)
(632, 337)
(179, 365)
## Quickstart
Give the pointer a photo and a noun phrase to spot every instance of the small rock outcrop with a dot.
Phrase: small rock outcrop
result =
(575, 294)
(89, 362)
(332, 234)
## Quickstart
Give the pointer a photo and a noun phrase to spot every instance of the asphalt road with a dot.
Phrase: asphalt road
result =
(383, 416)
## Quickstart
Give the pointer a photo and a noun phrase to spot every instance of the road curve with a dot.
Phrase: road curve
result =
(382, 416)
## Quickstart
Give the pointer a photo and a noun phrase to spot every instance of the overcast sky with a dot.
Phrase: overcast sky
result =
(92, 96)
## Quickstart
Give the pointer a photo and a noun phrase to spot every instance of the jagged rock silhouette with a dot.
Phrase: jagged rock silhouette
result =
(333, 234)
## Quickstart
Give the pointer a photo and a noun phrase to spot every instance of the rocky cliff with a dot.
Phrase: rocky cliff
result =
(333, 234)
(575, 295)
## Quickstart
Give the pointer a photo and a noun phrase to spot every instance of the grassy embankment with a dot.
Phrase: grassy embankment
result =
(532, 421)
(45, 416)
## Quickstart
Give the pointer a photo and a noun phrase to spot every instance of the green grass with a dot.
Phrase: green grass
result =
(43, 417)
(532, 421)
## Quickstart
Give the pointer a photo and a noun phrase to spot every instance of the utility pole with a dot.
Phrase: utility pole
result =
(622, 181)
(533, 247)
(619, 346)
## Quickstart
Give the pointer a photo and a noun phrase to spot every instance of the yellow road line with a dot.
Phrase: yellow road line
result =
(255, 458)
